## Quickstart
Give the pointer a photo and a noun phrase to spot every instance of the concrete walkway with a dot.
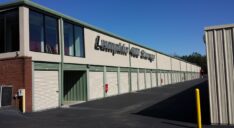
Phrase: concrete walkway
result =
(171, 106)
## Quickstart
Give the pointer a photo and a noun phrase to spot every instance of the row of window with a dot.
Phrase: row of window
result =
(43, 34)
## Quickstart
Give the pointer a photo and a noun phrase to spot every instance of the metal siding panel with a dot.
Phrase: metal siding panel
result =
(75, 86)
(219, 42)
(221, 77)
(231, 52)
(229, 71)
(46, 66)
(74, 67)
(111, 69)
(96, 68)
(214, 114)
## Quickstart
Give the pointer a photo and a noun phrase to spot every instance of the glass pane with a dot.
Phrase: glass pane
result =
(2, 38)
(51, 35)
(68, 39)
(79, 42)
(36, 32)
(12, 31)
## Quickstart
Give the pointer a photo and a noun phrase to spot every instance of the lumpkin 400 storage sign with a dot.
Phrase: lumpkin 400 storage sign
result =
(121, 49)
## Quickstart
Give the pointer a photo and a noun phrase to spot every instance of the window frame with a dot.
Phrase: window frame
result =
(73, 34)
(44, 14)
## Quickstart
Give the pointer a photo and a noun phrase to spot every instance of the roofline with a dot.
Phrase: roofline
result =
(46, 9)
(219, 27)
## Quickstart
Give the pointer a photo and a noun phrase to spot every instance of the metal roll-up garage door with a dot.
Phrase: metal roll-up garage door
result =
(95, 89)
(141, 81)
(169, 78)
(124, 82)
(153, 76)
(45, 90)
(148, 80)
(159, 79)
(111, 78)
(134, 80)
(163, 78)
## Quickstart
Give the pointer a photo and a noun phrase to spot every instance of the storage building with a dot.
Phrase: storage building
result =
(60, 60)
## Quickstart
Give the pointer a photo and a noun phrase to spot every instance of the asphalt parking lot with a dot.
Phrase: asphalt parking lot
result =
(171, 106)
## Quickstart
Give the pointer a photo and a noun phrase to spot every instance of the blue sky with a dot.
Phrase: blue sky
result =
(169, 26)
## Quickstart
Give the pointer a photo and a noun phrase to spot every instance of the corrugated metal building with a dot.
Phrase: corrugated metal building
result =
(59, 60)
(219, 47)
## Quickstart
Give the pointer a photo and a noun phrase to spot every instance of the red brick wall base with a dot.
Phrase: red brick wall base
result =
(18, 73)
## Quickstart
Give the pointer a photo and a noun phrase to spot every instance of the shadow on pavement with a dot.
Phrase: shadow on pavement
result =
(182, 106)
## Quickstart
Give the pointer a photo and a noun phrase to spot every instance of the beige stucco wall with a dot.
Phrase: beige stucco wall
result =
(142, 63)
(98, 57)
(194, 68)
(198, 69)
(189, 67)
(183, 66)
(163, 62)
(175, 64)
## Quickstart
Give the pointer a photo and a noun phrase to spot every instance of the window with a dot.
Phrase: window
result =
(43, 33)
(51, 35)
(73, 40)
(68, 39)
(79, 45)
(9, 31)
(36, 32)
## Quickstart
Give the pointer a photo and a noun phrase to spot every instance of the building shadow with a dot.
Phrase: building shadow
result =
(182, 106)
